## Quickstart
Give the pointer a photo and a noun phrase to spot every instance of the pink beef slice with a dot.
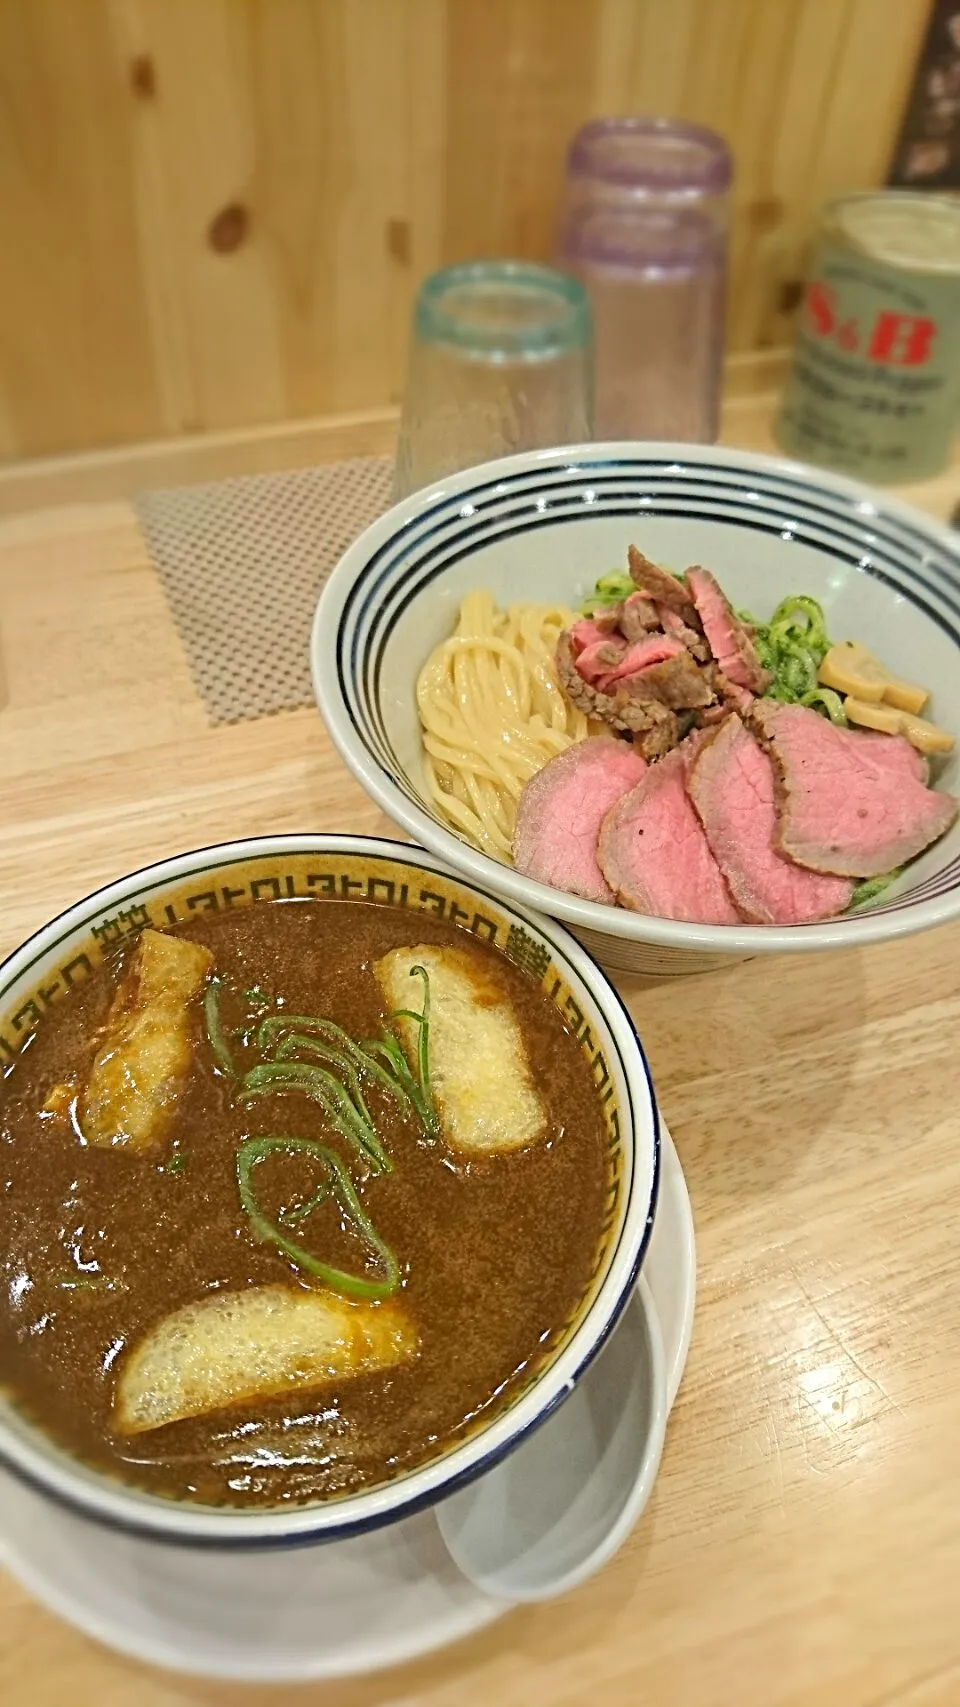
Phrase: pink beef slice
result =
(677, 681)
(653, 723)
(596, 648)
(732, 786)
(593, 631)
(638, 616)
(660, 585)
(561, 809)
(849, 801)
(596, 663)
(895, 750)
(729, 641)
(653, 649)
(654, 854)
(733, 697)
(693, 640)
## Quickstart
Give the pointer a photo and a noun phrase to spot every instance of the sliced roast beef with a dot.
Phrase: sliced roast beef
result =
(652, 649)
(692, 638)
(586, 699)
(654, 667)
(848, 802)
(653, 851)
(676, 680)
(606, 619)
(607, 659)
(588, 632)
(600, 659)
(663, 731)
(733, 697)
(637, 616)
(661, 586)
(712, 715)
(896, 750)
(729, 640)
(593, 631)
(731, 784)
(641, 716)
(561, 809)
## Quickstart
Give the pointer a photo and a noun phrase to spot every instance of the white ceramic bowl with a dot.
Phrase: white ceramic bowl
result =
(273, 869)
(544, 526)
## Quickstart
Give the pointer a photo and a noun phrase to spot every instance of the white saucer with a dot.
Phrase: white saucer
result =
(335, 1610)
(670, 1265)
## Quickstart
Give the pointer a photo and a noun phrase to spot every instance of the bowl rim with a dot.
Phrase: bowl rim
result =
(95, 1494)
(744, 940)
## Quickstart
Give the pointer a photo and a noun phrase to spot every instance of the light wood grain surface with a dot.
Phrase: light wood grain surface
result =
(802, 1548)
(215, 212)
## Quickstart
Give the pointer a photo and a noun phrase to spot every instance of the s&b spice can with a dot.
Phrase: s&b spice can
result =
(875, 385)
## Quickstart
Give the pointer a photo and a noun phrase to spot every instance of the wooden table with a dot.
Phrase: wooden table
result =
(802, 1548)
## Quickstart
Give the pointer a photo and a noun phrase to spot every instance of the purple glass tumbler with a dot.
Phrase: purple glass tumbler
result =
(643, 226)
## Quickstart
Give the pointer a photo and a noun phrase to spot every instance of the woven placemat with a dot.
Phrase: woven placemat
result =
(242, 562)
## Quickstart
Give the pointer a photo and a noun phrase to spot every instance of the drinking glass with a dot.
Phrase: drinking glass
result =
(500, 361)
(643, 225)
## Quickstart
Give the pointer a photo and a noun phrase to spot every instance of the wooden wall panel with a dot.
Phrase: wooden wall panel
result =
(520, 78)
(76, 353)
(215, 212)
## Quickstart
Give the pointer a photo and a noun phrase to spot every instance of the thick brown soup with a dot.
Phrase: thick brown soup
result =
(99, 1244)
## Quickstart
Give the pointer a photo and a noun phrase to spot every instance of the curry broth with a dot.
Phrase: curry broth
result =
(97, 1245)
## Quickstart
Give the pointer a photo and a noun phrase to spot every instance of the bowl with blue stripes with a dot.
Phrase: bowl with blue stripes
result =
(542, 527)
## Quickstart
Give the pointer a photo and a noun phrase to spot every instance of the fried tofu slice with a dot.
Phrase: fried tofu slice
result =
(232, 1347)
(142, 1064)
(480, 1075)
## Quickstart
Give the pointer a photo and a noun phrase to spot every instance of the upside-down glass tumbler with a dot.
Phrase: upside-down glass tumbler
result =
(643, 226)
(500, 361)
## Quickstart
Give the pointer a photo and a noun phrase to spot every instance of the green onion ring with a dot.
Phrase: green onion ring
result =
(338, 1185)
(214, 1028)
(871, 887)
(281, 1076)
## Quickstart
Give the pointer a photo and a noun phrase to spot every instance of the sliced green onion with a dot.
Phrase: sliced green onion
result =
(810, 631)
(302, 1211)
(326, 1028)
(276, 1024)
(831, 702)
(610, 590)
(389, 1050)
(339, 1185)
(417, 1088)
(796, 669)
(215, 1033)
(349, 1056)
(871, 887)
(300, 1042)
(423, 1043)
(610, 585)
(792, 646)
(273, 1077)
(337, 1086)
